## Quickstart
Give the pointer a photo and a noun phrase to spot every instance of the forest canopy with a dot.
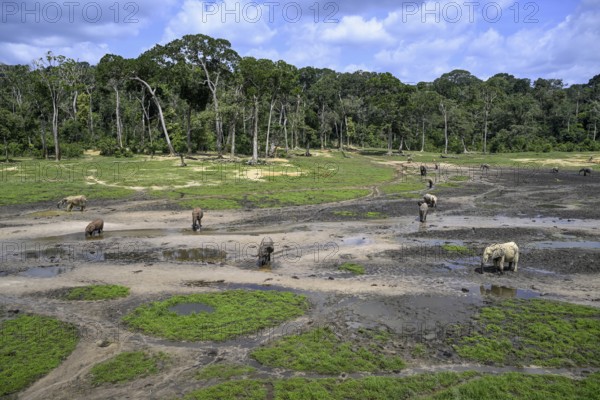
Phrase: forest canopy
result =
(197, 94)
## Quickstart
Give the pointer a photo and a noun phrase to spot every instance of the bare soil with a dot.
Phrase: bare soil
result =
(414, 289)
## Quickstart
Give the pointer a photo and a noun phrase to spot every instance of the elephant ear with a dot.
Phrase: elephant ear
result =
(499, 252)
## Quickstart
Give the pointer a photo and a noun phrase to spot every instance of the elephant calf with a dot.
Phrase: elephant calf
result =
(430, 182)
(423, 208)
(484, 167)
(96, 226)
(197, 215)
(71, 201)
(264, 251)
(586, 171)
(555, 170)
(431, 200)
(423, 170)
(499, 253)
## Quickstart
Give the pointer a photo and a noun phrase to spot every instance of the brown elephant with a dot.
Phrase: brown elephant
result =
(96, 226)
(423, 209)
(264, 251)
(586, 171)
(197, 215)
(71, 201)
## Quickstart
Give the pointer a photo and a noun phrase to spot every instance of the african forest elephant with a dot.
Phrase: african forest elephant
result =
(96, 226)
(586, 171)
(431, 200)
(499, 253)
(197, 215)
(423, 170)
(71, 201)
(430, 182)
(423, 208)
(264, 251)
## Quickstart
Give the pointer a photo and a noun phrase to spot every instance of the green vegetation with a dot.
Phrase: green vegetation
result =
(440, 386)
(539, 332)
(236, 312)
(127, 367)
(357, 215)
(32, 346)
(356, 269)
(224, 371)
(457, 249)
(321, 351)
(97, 292)
(207, 183)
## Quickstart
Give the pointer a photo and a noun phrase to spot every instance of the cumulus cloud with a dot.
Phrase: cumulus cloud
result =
(242, 23)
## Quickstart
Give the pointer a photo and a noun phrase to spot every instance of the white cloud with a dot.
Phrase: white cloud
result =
(355, 30)
(242, 23)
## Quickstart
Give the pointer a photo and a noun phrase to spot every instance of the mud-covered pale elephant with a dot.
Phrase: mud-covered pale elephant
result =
(73, 201)
(197, 215)
(500, 253)
(264, 251)
(96, 226)
(431, 200)
(423, 208)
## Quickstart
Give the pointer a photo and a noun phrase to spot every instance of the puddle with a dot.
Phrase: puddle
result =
(507, 292)
(564, 245)
(191, 308)
(44, 272)
(356, 241)
(203, 254)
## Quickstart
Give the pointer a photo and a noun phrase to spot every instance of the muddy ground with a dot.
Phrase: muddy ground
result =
(414, 288)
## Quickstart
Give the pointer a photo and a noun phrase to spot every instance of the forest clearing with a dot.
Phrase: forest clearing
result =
(359, 300)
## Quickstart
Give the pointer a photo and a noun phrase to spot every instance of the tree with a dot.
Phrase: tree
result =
(215, 58)
(53, 72)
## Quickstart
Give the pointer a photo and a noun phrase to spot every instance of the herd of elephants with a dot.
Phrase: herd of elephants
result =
(498, 253)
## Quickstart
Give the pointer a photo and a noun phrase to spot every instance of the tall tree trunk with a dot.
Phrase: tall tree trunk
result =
(232, 135)
(322, 127)
(57, 155)
(284, 124)
(444, 111)
(389, 141)
(43, 137)
(118, 115)
(423, 134)
(272, 105)
(160, 113)
(91, 116)
(255, 132)
(75, 95)
(188, 129)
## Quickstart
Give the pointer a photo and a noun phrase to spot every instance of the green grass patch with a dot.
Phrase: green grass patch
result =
(321, 351)
(210, 184)
(346, 213)
(356, 269)
(127, 367)
(457, 249)
(371, 388)
(239, 390)
(97, 292)
(224, 371)
(468, 385)
(357, 215)
(236, 312)
(540, 332)
(516, 386)
(32, 346)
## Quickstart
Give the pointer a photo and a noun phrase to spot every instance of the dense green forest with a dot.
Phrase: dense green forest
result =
(196, 94)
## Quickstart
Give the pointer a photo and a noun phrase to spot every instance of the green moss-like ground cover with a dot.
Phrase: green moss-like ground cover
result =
(236, 312)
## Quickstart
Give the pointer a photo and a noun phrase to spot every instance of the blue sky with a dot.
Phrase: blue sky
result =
(414, 40)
